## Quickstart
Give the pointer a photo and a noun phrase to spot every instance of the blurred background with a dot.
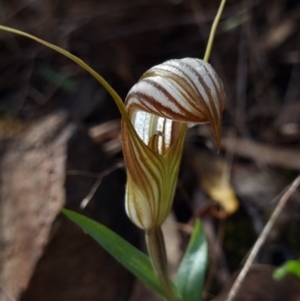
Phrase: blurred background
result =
(59, 143)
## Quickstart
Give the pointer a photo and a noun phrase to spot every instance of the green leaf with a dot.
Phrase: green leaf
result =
(191, 273)
(290, 267)
(134, 260)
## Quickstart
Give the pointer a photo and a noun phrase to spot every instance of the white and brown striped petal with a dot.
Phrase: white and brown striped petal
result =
(184, 90)
(159, 106)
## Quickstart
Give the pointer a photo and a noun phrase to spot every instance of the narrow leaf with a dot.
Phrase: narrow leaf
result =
(191, 273)
(291, 267)
(82, 64)
(134, 260)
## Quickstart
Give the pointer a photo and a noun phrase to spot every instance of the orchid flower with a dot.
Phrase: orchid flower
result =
(154, 123)
(159, 106)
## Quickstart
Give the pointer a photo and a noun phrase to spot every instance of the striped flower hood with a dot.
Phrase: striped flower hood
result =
(159, 106)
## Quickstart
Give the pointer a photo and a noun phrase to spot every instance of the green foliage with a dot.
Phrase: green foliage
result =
(191, 273)
(291, 267)
(134, 260)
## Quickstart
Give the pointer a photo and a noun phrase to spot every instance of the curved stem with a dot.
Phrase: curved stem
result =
(213, 31)
(157, 251)
(82, 64)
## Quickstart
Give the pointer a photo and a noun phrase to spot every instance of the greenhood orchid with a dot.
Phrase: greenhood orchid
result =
(159, 106)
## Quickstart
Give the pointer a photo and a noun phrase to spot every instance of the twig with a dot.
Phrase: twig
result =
(96, 185)
(90, 195)
(262, 238)
(98, 176)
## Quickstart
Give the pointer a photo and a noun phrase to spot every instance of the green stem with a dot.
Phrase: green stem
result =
(83, 65)
(157, 251)
(213, 31)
